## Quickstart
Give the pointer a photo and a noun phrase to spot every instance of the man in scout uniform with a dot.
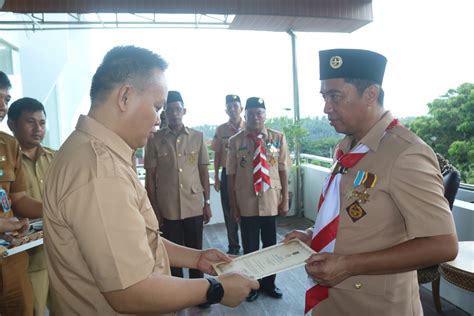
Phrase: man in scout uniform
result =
(258, 184)
(382, 213)
(219, 145)
(104, 249)
(16, 293)
(27, 121)
(176, 162)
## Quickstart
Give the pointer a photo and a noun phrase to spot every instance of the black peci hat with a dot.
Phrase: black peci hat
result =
(232, 98)
(254, 102)
(352, 64)
(174, 96)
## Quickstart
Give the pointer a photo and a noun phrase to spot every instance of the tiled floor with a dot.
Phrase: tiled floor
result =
(293, 283)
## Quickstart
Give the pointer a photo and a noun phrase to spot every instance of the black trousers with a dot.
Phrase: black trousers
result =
(186, 232)
(230, 224)
(252, 228)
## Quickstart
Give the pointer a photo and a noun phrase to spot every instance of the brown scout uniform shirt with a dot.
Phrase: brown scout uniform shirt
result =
(36, 170)
(179, 192)
(406, 202)
(240, 164)
(101, 233)
(221, 139)
(12, 174)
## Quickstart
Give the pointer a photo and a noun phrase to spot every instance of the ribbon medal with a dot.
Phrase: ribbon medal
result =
(243, 162)
(368, 180)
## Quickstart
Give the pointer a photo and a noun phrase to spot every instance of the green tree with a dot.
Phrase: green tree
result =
(449, 128)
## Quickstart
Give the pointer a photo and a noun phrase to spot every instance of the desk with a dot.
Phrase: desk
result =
(460, 271)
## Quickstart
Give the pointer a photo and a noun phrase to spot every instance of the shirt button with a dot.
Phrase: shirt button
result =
(179, 155)
(41, 181)
(180, 185)
(178, 141)
(180, 170)
(358, 285)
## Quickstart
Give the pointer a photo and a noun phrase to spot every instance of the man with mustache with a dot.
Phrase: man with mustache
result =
(16, 293)
(382, 213)
(27, 121)
(258, 184)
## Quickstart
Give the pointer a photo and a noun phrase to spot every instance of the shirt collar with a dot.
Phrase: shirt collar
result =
(264, 132)
(113, 141)
(184, 130)
(373, 138)
(241, 125)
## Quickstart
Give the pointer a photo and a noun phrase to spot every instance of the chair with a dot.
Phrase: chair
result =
(451, 180)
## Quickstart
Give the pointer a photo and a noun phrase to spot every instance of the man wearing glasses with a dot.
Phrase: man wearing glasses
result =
(177, 179)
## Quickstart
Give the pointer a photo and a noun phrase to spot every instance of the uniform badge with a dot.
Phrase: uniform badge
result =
(243, 162)
(365, 179)
(355, 211)
(335, 62)
(272, 161)
(192, 158)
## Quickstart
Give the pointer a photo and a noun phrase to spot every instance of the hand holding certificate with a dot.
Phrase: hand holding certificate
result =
(269, 260)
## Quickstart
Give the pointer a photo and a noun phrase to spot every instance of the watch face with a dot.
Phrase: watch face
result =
(215, 293)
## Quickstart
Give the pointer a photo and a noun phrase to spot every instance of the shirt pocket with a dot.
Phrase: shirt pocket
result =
(366, 284)
(191, 157)
(196, 188)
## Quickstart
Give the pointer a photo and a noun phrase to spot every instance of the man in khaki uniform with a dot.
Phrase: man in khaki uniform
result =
(104, 251)
(392, 215)
(257, 211)
(219, 145)
(27, 121)
(16, 293)
(176, 162)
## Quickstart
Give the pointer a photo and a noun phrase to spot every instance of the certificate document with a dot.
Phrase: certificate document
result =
(268, 261)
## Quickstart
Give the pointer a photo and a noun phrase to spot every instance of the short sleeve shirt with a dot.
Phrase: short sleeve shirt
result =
(221, 138)
(405, 202)
(12, 175)
(36, 170)
(101, 233)
(177, 157)
(240, 163)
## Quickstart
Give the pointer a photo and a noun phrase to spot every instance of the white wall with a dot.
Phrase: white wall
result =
(55, 68)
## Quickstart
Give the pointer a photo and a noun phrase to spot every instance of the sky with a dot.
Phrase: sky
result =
(428, 44)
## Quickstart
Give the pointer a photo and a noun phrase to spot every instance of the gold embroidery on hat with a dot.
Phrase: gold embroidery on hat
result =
(335, 62)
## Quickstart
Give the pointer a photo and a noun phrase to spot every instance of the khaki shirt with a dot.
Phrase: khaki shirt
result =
(36, 170)
(176, 157)
(240, 164)
(12, 175)
(221, 139)
(101, 233)
(406, 202)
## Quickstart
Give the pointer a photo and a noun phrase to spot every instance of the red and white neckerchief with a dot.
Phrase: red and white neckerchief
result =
(327, 220)
(261, 173)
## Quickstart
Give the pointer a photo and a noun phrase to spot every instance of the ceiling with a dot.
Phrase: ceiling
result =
(263, 15)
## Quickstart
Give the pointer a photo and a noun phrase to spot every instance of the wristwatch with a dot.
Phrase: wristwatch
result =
(215, 293)
(207, 202)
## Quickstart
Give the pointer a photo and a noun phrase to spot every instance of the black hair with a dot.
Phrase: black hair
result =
(4, 81)
(24, 105)
(362, 84)
(124, 64)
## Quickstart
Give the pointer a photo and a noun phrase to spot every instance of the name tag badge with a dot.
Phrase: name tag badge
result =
(5, 201)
